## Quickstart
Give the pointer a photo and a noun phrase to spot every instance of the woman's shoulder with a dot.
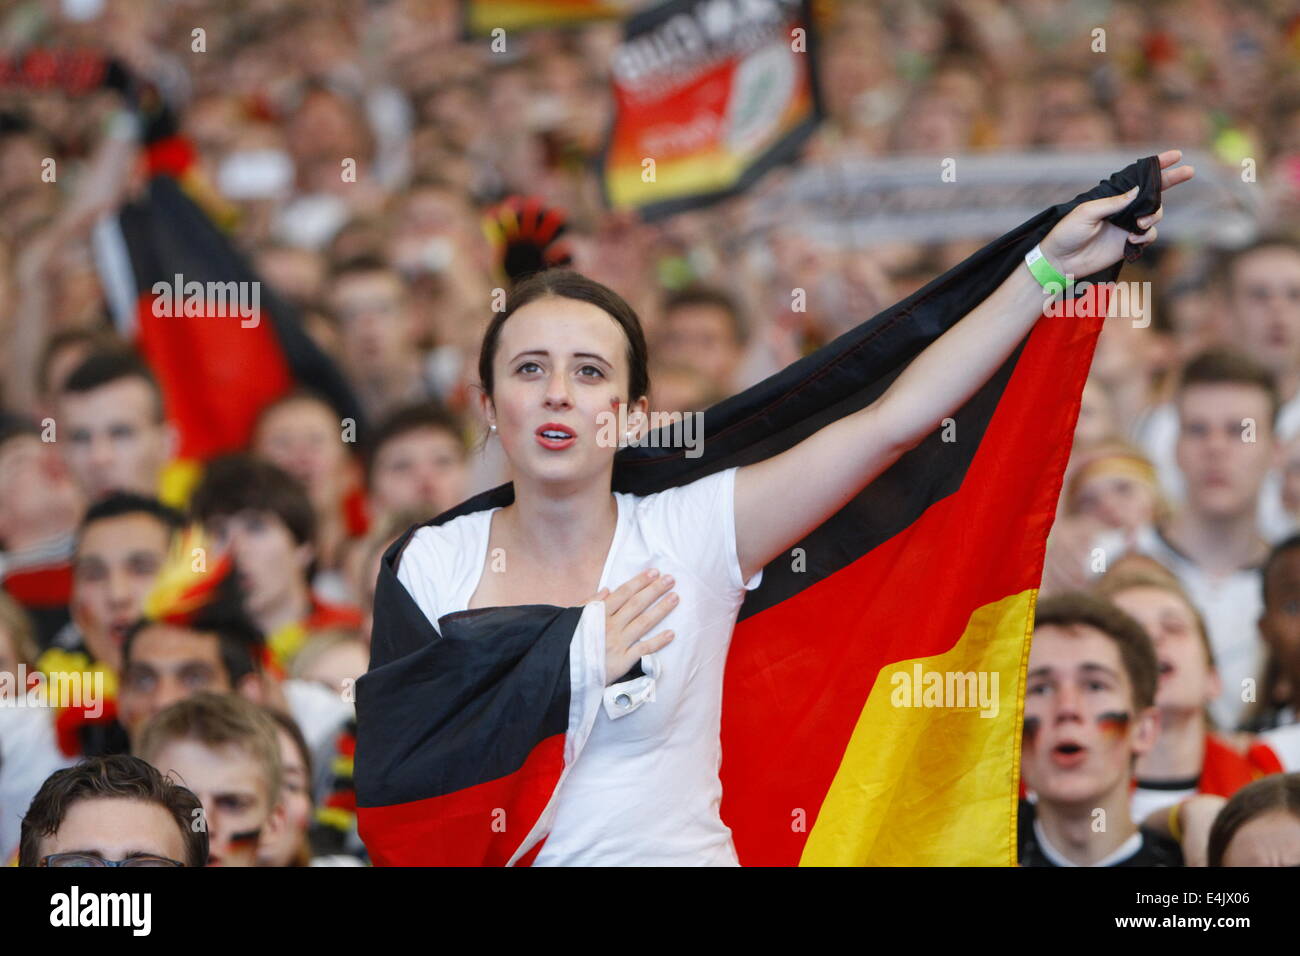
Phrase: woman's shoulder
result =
(700, 490)
(430, 542)
(439, 563)
(694, 522)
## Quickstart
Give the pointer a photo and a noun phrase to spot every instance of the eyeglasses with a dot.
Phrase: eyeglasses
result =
(86, 859)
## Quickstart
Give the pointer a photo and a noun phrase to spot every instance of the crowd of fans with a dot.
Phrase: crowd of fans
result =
(1168, 648)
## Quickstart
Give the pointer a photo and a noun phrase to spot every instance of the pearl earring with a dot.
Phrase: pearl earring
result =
(492, 428)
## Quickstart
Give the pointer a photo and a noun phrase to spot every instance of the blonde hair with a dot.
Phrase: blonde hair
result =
(1140, 571)
(317, 646)
(1114, 455)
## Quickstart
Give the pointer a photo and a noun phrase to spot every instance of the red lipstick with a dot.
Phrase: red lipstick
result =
(555, 436)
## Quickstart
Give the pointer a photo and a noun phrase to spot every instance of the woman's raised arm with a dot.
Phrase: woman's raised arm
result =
(782, 498)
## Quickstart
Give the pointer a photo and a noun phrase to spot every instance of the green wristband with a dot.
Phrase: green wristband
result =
(1046, 273)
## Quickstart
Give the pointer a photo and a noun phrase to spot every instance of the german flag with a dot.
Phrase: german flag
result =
(842, 740)
(220, 340)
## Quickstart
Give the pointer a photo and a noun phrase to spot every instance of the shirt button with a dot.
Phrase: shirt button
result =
(623, 700)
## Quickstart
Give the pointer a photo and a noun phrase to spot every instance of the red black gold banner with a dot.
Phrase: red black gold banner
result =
(709, 96)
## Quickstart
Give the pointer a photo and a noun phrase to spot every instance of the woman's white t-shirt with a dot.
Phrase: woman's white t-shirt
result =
(645, 788)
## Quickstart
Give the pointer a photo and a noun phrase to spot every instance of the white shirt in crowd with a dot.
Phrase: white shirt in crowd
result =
(1145, 801)
(29, 753)
(1285, 742)
(645, 789)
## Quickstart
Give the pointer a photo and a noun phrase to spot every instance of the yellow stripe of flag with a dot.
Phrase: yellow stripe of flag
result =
(925, 782)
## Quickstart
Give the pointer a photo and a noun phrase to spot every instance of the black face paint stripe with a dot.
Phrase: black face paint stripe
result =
(1031, 729)
(245, 838)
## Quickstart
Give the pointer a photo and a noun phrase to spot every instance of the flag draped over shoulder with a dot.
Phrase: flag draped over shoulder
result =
(873, 690)
(221, 342)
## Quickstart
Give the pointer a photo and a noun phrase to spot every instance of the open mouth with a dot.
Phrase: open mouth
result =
(555, 436)
(1069, 754)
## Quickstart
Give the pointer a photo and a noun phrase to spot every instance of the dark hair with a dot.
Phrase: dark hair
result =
(240, 641)
(293, 397)
(361, 265)
(121, 503)
(566, 283)
(431, 180)
(1272, 681)
(1225, 268)
(711, 297)
(235, 483)
(16, 426)
(410, 418)
(99, 340)
(1280, 791)
(1290, 543)
(117, 776)
(1219, 366)
(1136, 652)
(111, 365)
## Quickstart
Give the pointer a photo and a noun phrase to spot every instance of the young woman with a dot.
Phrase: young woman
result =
(1260, 826)
(565, 354)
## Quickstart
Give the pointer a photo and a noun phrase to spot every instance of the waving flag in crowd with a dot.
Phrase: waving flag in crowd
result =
(219, 360)
(222, 344)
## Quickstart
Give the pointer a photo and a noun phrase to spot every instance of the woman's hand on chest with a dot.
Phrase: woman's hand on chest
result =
(631, 612)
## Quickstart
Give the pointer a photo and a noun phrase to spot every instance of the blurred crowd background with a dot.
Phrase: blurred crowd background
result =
(393, 276)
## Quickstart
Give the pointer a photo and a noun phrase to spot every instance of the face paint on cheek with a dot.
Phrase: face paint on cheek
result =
(244, 841)
(1030, 736)
(1113, 722)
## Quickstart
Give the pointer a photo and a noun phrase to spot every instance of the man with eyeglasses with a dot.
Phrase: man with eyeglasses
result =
(113, 811)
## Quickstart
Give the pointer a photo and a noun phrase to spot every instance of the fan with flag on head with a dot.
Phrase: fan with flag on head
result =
(527, 235)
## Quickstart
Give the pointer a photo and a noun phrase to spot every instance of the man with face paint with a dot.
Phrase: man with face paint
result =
(1089, 715)
(226, 751)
